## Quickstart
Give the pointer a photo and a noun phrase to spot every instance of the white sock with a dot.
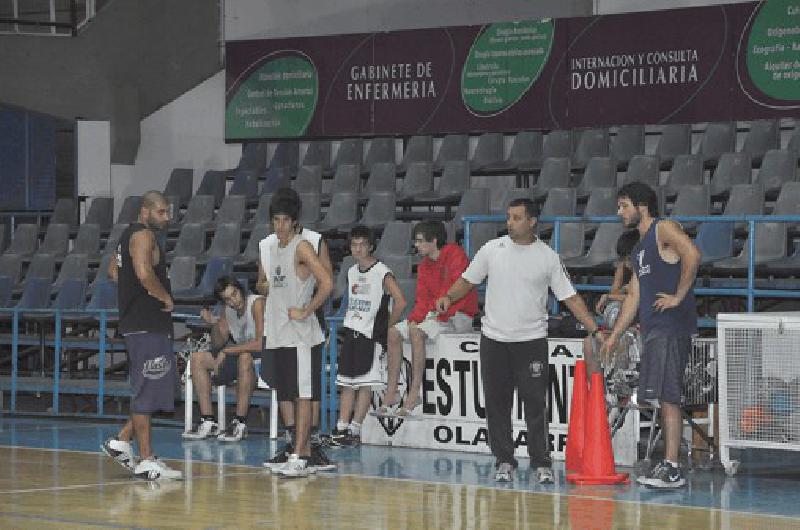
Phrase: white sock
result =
(670, 462)
(355, 428)
(341, 425)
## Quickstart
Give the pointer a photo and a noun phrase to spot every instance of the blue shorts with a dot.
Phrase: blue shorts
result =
(664, 358)
(153, 372)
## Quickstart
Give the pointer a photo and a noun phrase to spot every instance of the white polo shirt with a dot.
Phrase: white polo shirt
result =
(519, 277)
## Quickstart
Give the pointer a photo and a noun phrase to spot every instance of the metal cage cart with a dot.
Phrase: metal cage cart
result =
(759, 382)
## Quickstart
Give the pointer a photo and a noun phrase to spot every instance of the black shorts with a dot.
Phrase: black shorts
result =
(153, 372)
(293, 372)
(229, 370)
(664, 358)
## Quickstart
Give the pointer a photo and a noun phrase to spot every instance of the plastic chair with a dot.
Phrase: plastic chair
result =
(718, 138)
(501, 197)
(763, 136)
(555, 174)
(318, 154)
(232, 210)
(475, 201)
(308, 180)
(65, 211)
(42, 266)
(770, 245)
(191, 241)
(557, 144)
(130, 210)
(310, 210)
(71, 296)
(261, 215)
(642, 168)
(601, 172)
(526, 152)
(418, 181)
(346, 179)
(745, 199)
(778, 168)
(488, 154)
(25, 240)
(56, 240)
(75, 267)
(399, 265)
(226, 242)
(11, 266)
(480, 234)
(692, 200)
(200, 210)
(250, 255)
(274, 179)
(591, 143)
(602, 252)
(382, 178)
(418, 149)
(559, 202)
(687, 170)
(350, 153)
(453, 183)
(180, 185)
(6, 284)
(395, 239)
(217, 266)
(570, 240)
(285, 158)
(254, 157)
(732, 169)
(380, 210)
(715, 242)
(602, 202)
(245, 184)
(675, 139)
(213, 183)
(381, 151)
(342, 212)
(628, 142)
(454, 148)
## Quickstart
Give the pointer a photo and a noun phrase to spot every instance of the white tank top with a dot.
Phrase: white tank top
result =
(287, 290)
(365, 298)
(242, 328)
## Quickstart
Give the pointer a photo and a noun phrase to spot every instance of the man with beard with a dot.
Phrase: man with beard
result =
(519, 269)
(145, 320)
(664, 263)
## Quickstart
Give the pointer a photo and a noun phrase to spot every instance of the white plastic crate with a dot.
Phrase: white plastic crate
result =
(759, 382)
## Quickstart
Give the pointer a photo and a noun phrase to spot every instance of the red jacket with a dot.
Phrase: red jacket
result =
(434, 278)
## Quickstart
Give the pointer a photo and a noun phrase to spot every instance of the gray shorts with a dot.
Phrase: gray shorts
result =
(664, 358)
(152, 371)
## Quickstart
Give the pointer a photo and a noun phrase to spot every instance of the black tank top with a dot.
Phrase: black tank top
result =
(138, 311)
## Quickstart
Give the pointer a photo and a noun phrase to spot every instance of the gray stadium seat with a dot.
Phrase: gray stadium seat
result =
(65, 211)
(340, 286)
(213, 183)
(399, 265)
(555, 174)
(56, 240)
(5, 291)
(687, 170)
(788, 203)
(380, 210)
(602, 202)
(215, 268)
(715, 242)
(557, 144)
(643, 168)
(232, 210)
(41, 266)
(418, 180)
(762, 136)
(254, 157)
(675, 139)
(380, 151)
(382, 178)
(732, 169)
(35, 295)
(318, 154)
(628, 141)
(794, 140)
(454, 148)
(71, 297)
(395, 239)
(475, 201)
(745, 199)
(346, 179)
(570, 240)
(25, 241)
(101, 212)
(200, 210)
(309, 179)
(75, 266)
(180, 184)
(87, 241)
(182, 272)
(11, 266)
(603, 250)
(350, 153)
(285, 158)
(526, 152)
(488, 154)
(718, 138)
(591, 143)
(778, 168)
(342, 212)
(225, 243)
(274, 178)
(130, 209)
(501, 196)
(692, 200)
(245, 184)
(770, 245)
(479, 234)
(601, 172)
(310, 210)
(559, 202)
(113, 238)
(191, 241)
(261, 215)
(250, 255)
(418, 149)
(455, 180)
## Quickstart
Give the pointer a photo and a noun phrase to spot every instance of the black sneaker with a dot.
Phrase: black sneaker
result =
(277, 461)
(337, 437)
(352, 440)
(664, 476)
(319, 460)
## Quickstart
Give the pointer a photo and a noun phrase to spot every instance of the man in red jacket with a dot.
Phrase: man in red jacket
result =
(442, 264)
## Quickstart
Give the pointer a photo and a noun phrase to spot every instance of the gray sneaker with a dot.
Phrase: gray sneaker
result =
(667, 476)
(646, 480)
(544, 475)
(504, 472)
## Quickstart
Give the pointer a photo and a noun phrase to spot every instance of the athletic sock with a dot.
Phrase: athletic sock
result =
(207, 417)
(355, 428)
(670, 462)
(290, 435)
(341, 425)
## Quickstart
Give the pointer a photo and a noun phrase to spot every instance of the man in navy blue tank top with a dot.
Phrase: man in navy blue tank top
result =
(664, 266)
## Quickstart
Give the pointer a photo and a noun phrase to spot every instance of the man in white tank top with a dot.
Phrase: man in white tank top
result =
(293, 338)
(242, 321)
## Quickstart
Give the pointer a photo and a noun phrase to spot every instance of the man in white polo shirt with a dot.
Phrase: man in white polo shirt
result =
(519, 269)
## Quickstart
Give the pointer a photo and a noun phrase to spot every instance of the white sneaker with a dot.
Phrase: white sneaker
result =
(235, 432)
(295, 467)
(504, 472)
(544, 475)
(153, 469)
(204, 430)
(121, 452)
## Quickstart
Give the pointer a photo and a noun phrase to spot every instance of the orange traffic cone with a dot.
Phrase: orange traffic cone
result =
(598, 456)
(577, 418)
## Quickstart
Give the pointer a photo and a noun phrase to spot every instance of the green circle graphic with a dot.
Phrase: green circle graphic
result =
(277, 100)
(773, 50)
(503, 62)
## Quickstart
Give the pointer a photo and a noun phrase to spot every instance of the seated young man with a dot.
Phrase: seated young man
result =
(371, 287)
(235, 338)
(610, 303)
(442, 264)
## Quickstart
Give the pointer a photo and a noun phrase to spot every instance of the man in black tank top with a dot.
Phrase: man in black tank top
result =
(145, 306)
(664, 263)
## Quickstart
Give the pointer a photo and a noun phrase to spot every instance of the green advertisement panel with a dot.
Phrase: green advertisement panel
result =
(276, 99)
(773, 50)
(502, 64)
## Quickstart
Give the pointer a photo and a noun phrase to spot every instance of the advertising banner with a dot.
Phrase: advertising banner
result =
(714, 63)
